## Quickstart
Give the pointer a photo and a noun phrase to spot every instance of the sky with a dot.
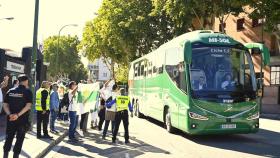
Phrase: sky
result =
(53, 14)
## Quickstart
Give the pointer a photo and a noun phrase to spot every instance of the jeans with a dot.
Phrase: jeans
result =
(101, 115)
(73, 123)
(1, 106)
(52, 119)
(107, 122)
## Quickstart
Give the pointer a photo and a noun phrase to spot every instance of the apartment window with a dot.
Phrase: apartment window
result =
(275, 75)
(240, 24)
(104, 74)
(220, 27)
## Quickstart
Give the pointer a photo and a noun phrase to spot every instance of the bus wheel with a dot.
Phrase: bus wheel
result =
(168, 124)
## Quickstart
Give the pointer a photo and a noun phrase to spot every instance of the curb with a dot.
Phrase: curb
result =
(271, 116)
(52, 144)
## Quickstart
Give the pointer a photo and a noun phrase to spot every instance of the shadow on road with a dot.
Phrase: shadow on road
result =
(133, 149)
(264, 143)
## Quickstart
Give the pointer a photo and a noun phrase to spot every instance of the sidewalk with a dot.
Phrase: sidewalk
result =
(271, 111)
(35, 148)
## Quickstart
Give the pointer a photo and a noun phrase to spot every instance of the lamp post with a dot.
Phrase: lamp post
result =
(57, 52)
(34, 57)
(7, 18)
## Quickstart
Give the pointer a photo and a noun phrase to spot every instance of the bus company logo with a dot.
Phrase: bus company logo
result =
(218, 40)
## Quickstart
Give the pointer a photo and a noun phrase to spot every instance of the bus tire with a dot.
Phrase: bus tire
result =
(167, 121)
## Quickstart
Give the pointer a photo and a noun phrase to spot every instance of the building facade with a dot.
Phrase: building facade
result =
(98, 70)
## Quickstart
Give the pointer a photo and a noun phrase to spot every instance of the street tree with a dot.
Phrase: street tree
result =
(123, 30)
(63, 58)
(268, 10)
(197, 14)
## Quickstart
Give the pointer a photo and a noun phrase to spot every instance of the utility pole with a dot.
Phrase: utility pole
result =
(34, 59)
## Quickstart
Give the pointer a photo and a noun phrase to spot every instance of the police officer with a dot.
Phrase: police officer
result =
(17, 105)
(123, 104)
(43, 109)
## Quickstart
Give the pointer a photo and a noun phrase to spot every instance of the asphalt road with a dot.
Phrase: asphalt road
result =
(150, 140)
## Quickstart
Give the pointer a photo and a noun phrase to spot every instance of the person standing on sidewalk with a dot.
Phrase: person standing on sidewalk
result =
(73, 107)
(3, 85)
(102, 107)
(17, 104)
(110, 112)
(122, 104)
(43, 109)
(54, 105)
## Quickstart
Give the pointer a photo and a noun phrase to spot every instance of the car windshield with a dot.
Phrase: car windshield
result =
(220, 70)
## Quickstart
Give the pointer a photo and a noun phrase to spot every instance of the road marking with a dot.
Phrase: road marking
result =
(127, 155)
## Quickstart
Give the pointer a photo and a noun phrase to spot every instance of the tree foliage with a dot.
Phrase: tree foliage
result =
(124, 29)
(63, 58)
(121, 73)
(197, 14)
(268, 10)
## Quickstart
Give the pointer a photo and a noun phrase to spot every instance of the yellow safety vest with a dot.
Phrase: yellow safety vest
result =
(38, 100)
(122, 102)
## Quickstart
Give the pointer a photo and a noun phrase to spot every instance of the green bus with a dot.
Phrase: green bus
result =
(201, 82)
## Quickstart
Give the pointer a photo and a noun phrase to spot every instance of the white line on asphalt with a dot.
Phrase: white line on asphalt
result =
(126, 155)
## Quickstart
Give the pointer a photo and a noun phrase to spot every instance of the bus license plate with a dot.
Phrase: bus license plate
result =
(228, 126)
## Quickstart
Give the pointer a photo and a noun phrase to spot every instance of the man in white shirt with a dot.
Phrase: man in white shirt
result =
(73, 107)
(3, 85)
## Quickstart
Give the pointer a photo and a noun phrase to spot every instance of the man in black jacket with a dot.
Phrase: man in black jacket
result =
(17, 105)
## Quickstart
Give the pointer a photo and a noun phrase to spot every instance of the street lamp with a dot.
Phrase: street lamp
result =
(8, 18)
(57, 56)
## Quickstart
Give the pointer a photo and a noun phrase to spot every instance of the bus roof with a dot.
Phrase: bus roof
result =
(203, 36)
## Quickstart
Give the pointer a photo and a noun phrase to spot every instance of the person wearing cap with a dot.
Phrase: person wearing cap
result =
(43, 109)
(122, 104)
(17, 105)
(54, 106)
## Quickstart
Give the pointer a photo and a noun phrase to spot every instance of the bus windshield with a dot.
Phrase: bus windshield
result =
(221, 71)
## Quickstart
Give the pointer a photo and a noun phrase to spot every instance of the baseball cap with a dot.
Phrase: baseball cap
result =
(22, 78)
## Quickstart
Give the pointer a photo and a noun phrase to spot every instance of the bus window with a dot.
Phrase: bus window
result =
(231, 69)
(142, 70)
(154, 69)
(175, 68)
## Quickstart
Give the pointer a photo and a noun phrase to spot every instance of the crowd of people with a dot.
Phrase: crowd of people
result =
(111, 106)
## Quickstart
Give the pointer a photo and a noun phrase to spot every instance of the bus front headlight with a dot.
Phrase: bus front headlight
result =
(197, 116)
(253, 117)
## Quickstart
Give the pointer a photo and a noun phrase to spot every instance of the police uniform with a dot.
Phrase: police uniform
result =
(123, 104)
(42, 104)
(17, 98)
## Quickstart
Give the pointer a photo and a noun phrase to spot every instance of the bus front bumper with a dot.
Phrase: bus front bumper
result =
(197, 127)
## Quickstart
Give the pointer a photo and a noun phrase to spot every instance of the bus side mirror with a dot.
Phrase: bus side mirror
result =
(188, 52)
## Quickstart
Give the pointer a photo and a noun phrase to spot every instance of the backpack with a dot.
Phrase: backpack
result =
(65, 101)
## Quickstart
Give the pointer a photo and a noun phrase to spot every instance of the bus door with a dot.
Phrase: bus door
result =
(173, 68)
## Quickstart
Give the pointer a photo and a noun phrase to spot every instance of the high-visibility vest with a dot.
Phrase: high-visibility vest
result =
(38, 100)
(122, 102)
